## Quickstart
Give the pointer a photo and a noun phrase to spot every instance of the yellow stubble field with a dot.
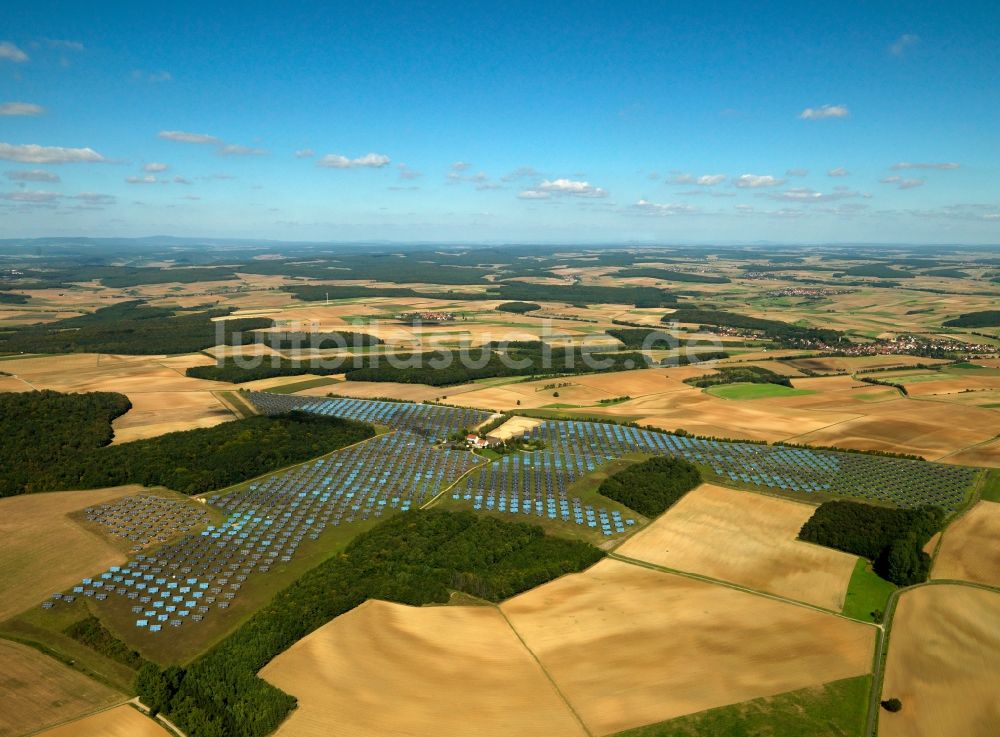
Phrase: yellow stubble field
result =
(387, 669)
(628, 646)
(970, 548)
(44, 550)
(943, 663)
(37, 691)
(119, 721)
(747, 539)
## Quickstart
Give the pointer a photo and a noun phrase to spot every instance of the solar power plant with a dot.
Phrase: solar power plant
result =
(536, 483)
(426, 419)
(145, 520)
(269, 519)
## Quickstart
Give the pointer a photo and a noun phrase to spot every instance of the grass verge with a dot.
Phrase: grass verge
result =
(866, 593)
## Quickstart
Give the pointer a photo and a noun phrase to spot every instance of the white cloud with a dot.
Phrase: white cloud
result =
(522, 172)
(901, 44)
(570, 187)
(186, 137)
(30, 153)
(34, 175)
(161, 76)
(753, 181)
(533, 194)
(944, 165)
(406, 172)
(94, 198)
(825, 111)
(705, 180)
(460, 166)
(235, 149)
(838, 172)
(804, 194)
(181, 180)
(20, 109)
(148, 179)
(305, 153)
(336, 161)
(902, 183)
(797, 173)
(31, 196)
(58, 43)
(155, 166)
(665, 209)
(10, 52)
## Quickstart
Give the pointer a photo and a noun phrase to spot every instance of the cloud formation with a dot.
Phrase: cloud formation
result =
(148, 179)
(825, 111)
(562, 187)
(805, 194)
(143, 76)
(33, 175)
(672, 208)
(944, 165)
(705, 180)
(10, 52)
(304, 153)
(754, 181)
(797, 173)
(406, 172)
(337, 161)
(234, 149)
(66, 45)
(902, 183)
(30, 153)
(20, 109)
(522, 172)
(904, 42)
(155, 166)
(186, 137)
(838, 172)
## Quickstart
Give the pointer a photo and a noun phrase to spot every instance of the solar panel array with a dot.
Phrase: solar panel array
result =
(430, 420)
(269, 519)
(145, 519)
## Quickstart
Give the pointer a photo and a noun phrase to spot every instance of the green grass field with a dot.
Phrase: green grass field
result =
(297, 386)
(754, 391)
(990, 490)
(866, 593)
(836, 709)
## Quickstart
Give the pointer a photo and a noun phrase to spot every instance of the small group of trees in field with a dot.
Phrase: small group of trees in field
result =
(653, 486)
(739, 375)
(893, 539)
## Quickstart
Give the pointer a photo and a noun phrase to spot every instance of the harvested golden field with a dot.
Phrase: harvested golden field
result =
(388, 669)
(120, 721)
(89, 372)
(516, 427)
(833, 364)
(944, 663)
(985, 454)
(748, 539)
(629, 646)
(13, 384)
(155, 413)
(44, 550)
(970, 549)
(36, 691)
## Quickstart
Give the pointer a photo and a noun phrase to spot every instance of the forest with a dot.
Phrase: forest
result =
(414, 558)
(10, 298)
(440, 367)
(132, 328)
(981, 319)
(653, 486)
(778, 331)
(519, 307)
(56, 441)
(739, 375)
(893, 539)
(669, 275)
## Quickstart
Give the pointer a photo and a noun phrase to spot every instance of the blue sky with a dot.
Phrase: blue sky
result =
(529, 122)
